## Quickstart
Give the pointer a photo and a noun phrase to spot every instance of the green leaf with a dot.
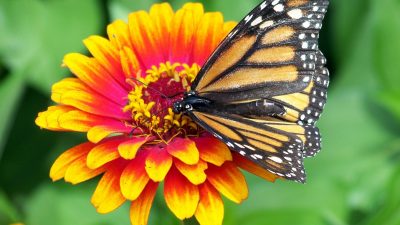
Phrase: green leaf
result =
(34, 35)
(8, 214)
(120, 9)
(388, 211)
(386, 44)
(11, 88)
(63, 204)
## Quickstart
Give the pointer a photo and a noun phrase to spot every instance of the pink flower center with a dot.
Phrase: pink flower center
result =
(152, 97)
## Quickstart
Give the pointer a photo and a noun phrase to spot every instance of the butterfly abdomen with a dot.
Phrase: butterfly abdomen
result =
(259, 108)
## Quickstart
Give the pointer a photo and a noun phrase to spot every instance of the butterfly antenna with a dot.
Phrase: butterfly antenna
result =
(147, 86)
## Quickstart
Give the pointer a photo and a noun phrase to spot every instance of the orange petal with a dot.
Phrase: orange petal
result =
(95, 76)
(62, 163)
(253, 168)
(140, 208)
(184, 149)
(78, 171)
(98, 133)
(228, 27)
(162, 15)
(208, 36)
(197, 10)
(107, 56)
(213, 151)
(158, 163)
(49, 118)
(73, 92)
(130, 62)
(104, 152)
(107, 197)
(129, 148)
(77, 120)
(182, 31)
(228, 180)
(181, 196)
(210, 210)
(144, 38)
(134, 177)
(118, 33)
(194, 173)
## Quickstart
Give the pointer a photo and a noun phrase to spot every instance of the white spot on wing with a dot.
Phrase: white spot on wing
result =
(276, 159)
(257, 21)
(279, 8)
(295, 13)
(267, 24)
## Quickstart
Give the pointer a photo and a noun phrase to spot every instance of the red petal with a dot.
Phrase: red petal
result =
(210, 210)
(107, 197)
(129, 148)
(140, 208)
(104, 152)
(228, 180)
(194, 173)
(158, 163)
(181, 196)
(78, 171)
(213, 151)
(253, 168)
(184, 149)
(62, 163)
(134, 177)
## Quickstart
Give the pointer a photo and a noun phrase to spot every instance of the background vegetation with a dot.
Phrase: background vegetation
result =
(354, 180)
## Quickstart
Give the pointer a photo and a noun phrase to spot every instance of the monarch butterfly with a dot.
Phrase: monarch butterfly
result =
(265, 86)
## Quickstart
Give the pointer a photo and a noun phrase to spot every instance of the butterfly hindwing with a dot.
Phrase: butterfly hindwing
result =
(272, 148)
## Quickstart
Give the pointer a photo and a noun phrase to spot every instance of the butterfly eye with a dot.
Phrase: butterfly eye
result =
(188, 107)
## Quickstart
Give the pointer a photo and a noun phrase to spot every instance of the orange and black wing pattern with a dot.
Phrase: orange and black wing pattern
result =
(271, 55)
(268, 145)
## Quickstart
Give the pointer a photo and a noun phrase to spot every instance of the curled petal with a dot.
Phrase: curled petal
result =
(104, 152)
(107, 197)
(213, 151)
(210, 210)
(62, 163)
(253, 168)
(49, 119)
(181, 196)
(194, 173)
(129, 148)
(228, 180)
(78, 171)
(184, 149)
(140, 208)
(134, 177)
(158, 164)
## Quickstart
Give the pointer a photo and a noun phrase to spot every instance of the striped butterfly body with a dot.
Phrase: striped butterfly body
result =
(265, 86)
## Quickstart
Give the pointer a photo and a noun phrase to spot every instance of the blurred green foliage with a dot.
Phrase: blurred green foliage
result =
(355, 180)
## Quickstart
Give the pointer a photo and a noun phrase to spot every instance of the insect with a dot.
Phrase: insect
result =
(265, 86)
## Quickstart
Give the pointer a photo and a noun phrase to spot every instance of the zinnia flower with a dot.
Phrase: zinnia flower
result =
(122, 97)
